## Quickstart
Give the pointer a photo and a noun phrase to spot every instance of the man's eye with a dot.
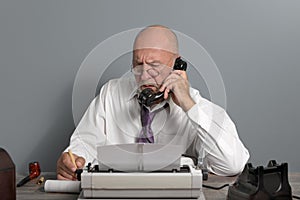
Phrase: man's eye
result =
(154, 64)
(137, 64)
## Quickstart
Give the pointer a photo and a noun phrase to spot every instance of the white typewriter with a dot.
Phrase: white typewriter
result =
(141, 171)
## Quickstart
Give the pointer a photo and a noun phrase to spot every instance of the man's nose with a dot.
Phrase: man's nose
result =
(145, 75)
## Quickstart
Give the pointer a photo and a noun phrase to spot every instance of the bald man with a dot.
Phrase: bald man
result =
(182, 117)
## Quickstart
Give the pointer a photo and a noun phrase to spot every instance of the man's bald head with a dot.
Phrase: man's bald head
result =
(156, 37)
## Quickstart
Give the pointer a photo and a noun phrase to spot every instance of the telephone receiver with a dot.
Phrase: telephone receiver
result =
(148, 97)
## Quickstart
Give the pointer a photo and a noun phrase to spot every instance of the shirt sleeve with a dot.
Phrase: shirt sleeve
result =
(90, 131)
(217, 137)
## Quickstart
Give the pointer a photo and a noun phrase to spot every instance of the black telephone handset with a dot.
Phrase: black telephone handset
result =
(148, 97)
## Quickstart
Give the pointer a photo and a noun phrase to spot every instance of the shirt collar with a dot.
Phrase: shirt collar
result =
(132, 90)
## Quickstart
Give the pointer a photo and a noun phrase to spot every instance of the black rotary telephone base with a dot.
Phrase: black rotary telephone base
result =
(269, 183)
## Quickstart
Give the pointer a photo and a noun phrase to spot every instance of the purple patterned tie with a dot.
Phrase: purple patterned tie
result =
(146, 135)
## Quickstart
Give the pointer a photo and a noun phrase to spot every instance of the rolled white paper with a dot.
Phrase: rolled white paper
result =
(62, 186)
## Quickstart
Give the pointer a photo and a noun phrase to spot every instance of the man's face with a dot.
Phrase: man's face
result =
(151, 67)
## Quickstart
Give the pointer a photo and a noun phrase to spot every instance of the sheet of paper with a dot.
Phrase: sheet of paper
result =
(62, 186)
(139, 157)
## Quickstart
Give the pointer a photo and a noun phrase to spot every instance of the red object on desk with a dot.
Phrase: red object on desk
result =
(34, 171)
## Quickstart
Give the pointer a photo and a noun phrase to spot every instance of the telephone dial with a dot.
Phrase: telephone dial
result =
(148, 97)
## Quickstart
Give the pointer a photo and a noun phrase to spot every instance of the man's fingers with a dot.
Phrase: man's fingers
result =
(65, 176)
(167, 85)
(166, 82)
(67, 162)
(60, 177)
(80, 161)
(181, 73)
(65, 167)
(174, 76)
(66, 170)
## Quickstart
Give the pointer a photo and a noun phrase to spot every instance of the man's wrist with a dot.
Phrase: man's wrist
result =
(187, 104)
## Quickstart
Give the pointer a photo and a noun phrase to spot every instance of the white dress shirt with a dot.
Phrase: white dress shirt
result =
(113, 117)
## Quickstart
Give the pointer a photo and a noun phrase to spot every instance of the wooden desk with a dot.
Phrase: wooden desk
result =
(33, 191)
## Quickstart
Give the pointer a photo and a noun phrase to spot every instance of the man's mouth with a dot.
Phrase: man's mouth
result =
(153, 87)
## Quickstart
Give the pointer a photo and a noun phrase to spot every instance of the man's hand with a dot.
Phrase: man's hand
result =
(65, 169)
(178, 83)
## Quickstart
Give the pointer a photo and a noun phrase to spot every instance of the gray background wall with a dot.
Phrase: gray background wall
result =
(254, 43)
